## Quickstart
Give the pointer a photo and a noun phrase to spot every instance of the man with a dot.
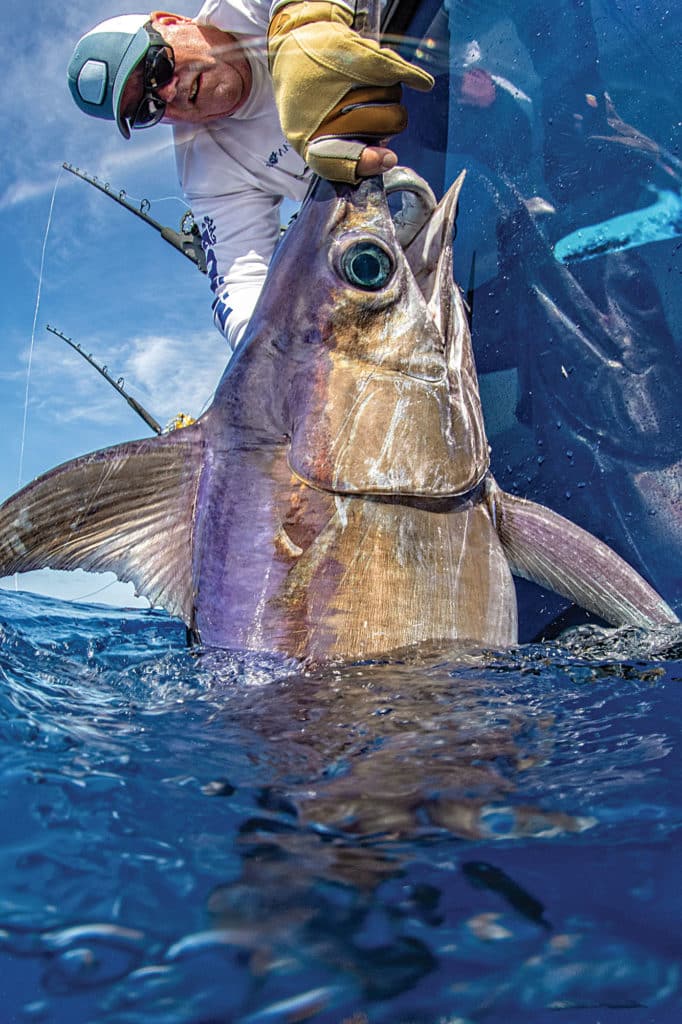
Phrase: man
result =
(248, 132)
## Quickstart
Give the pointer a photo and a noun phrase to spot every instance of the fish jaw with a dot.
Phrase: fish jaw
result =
(390, 435)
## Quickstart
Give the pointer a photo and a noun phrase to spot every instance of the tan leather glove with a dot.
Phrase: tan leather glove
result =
(333, 87)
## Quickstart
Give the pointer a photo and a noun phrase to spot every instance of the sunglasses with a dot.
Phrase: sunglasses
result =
(158, 69)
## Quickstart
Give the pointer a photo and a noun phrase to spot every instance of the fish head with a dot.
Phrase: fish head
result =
(366, 348)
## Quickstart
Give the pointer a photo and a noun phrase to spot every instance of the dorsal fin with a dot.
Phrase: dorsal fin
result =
(127, 510)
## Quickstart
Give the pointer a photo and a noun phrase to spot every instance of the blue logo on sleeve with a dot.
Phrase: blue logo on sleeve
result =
(221, 310)
(277, 154)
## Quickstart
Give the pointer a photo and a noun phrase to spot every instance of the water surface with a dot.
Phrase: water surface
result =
(195, 837)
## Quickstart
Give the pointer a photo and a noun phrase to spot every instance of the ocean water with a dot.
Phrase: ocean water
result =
(192, 837)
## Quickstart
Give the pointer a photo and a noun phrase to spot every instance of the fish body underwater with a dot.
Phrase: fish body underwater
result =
(335, 501)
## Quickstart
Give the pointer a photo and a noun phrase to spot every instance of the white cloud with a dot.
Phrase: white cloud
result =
(166, 373)
(24, 191)
(44, 120)
(104, 162)
(13, 375)
(175, 374)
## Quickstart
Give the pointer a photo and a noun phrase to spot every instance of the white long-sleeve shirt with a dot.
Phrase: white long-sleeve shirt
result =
(236, 170)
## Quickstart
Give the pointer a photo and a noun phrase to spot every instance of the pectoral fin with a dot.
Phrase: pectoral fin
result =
(547, 549)
(127, 509)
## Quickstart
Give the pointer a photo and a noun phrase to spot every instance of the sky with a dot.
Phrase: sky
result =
(101, 276)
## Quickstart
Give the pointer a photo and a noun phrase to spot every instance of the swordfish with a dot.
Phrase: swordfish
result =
(335, 501)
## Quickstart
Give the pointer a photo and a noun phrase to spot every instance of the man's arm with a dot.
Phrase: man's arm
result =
(239, 232)
(334, 87)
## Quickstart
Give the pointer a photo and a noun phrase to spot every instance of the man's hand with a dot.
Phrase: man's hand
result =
(338, 94)
(375, 160)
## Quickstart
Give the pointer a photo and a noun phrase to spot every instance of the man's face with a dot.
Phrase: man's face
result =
(212, 77)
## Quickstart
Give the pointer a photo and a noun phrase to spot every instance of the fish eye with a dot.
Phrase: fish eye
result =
(367, 265)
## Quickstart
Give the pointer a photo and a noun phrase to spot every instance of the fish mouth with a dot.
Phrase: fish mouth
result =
(471, 493)
(467, 491)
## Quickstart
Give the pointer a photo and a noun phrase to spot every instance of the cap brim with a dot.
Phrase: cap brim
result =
(139, 45)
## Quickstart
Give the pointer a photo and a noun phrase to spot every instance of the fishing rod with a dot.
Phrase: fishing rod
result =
(117, 385)
(367, 19)
(187, 240)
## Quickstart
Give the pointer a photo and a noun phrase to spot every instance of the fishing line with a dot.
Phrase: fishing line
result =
(93, 593)
(32, 345)
(158, 199)
(33, 330)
